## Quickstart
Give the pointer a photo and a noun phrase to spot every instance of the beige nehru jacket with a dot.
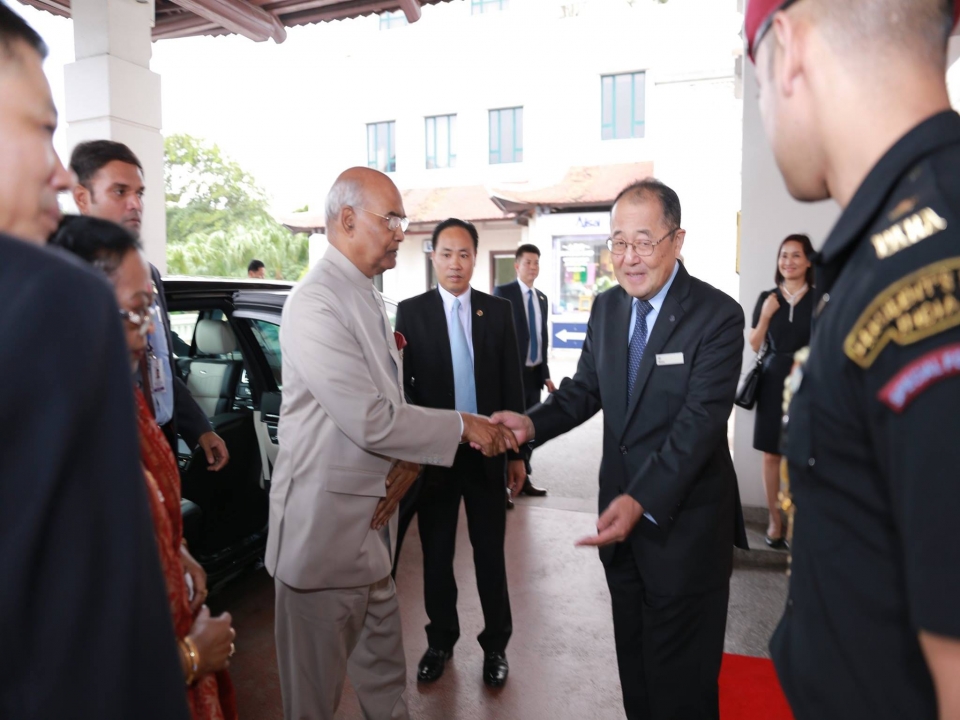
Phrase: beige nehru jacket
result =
(342, 421)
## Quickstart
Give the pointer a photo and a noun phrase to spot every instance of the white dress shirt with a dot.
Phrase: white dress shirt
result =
(525, 291)
(657, 302)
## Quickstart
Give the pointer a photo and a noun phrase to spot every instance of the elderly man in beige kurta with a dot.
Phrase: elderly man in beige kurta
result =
(349, 447)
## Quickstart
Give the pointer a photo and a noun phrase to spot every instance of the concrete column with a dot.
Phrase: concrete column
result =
(768, 215)
(111, 94)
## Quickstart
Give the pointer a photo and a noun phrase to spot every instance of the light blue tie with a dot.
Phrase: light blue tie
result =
(532, 320)
(463, 381)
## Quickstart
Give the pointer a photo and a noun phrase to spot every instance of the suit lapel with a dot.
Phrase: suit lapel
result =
(619, 324)
(671, 313)
(436, 323)
(478, 306)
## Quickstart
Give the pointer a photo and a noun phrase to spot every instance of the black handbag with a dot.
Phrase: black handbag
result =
(746, 396)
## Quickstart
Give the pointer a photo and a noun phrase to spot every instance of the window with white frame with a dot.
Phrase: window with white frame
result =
(623, 105)
(381, 146)
(440, 141)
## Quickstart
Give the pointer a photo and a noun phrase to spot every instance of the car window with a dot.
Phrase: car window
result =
(183, 325)
(268, 337)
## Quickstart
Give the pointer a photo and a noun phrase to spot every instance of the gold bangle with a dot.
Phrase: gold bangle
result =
(194, 656)
(185, 660)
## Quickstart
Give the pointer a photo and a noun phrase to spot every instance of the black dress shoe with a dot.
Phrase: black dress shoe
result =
(532, 490)
(779, 543)
(510, 504)
(495, 669)
(432, 664)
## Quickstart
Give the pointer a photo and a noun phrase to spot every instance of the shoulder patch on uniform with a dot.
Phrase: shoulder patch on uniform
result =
(916, 307)
(916, 377)
(909, 231)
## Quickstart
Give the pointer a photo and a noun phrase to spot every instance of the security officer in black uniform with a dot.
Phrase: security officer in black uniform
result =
(854, 101)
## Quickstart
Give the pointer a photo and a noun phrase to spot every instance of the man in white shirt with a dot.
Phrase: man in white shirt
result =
(461, 353)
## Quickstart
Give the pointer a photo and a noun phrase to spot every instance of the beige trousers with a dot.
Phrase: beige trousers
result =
(324, 636)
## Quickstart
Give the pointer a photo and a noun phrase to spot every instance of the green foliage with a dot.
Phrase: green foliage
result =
(226, 253)
(217, 217)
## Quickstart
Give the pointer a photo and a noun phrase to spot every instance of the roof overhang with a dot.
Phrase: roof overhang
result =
(585, 187)
(257, 20)
(424, 206)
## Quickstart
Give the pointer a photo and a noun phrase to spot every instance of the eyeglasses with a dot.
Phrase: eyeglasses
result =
(643, 248)
(141, 319)
(393, 222)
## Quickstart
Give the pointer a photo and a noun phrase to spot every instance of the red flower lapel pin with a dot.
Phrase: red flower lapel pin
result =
(401, 342)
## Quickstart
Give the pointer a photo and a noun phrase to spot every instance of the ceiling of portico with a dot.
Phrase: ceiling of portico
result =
(258, 20)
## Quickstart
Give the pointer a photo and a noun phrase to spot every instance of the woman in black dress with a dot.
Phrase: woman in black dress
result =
(781, 319)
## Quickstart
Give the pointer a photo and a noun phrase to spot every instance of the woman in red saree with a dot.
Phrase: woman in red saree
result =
(205, 642)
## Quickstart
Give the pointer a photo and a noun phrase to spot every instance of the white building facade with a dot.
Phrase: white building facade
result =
(508, 96)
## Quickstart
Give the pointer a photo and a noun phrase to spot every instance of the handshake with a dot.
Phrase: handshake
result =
(495, 435)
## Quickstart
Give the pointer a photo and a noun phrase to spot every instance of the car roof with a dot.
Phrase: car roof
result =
(269, 294)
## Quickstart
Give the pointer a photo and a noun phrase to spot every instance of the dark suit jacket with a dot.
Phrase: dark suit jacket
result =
(511, 291)
(188, 420)
(84, 617)
(668, 449)
(428, 364)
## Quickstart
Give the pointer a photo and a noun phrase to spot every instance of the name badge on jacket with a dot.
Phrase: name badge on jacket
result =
(670, 359)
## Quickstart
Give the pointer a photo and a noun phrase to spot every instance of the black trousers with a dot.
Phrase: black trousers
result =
(669, 649)
(532, 387)
(438, 507)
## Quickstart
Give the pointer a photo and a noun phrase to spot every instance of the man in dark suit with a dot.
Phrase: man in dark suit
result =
(530, 318)
(461, 353)
(661, 359)
(110, 187)
(84, 615)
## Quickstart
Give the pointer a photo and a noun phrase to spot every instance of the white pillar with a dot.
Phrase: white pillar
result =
(768, 215)
(111, 94)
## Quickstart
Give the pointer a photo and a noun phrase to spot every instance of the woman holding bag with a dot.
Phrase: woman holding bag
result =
(781, 320)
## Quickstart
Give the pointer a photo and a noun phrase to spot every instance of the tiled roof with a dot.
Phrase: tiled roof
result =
(469, 202)
(423, 205)
(586, 186)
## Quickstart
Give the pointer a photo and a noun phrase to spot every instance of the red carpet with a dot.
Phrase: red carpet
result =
(749, 690)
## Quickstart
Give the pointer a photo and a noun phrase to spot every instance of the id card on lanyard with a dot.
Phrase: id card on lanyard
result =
(158, 376)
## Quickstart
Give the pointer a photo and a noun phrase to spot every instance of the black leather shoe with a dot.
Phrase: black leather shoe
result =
(495, 669)
(779, 543)
(532, 490)
(510, 504)
(432, 664)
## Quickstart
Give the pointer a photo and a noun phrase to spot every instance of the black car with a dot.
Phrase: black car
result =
(226, 344)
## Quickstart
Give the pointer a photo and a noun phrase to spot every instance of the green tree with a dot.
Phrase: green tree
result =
(217, 217)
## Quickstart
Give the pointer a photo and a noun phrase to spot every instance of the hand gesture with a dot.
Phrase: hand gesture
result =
(215, 449)
(213, 638)
(401, 477)
(486, 436)
(521, 425)
(616, 523)
(770, 306)
(551, 388)
(516, 476)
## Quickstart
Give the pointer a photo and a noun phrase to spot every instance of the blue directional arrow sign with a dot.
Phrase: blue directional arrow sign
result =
(569, 335)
